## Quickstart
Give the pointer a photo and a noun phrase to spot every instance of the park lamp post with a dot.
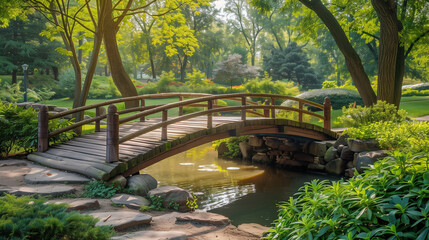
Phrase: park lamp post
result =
(25, 67)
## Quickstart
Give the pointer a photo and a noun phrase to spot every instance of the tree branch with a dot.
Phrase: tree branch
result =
(414, 42)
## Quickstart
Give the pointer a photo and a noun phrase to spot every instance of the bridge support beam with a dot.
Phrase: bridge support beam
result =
(112, 138)
(327, 114)
(164, 128)
(43, 132)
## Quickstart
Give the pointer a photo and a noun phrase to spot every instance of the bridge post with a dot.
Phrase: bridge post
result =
(142, 104)
(243, 111)
(210, 115)
(43, 132)
(266, 111)
(273, 110)
(327, 113)
(164, 128)
(97, 123)
(112, 138)
(301, 105)
(180, 108)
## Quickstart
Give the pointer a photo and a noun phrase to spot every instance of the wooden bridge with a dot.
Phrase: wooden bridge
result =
(132, 142)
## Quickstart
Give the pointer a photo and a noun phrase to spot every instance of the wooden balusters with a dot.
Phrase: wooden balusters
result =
(301, 105)
(142, 104)
(327, 114)
(98, 112)
(273, 110)
(243, 111)
(210, 115)
(43, 131)
(266, 111)
(112, 138)
(181, 107)
(164, 128)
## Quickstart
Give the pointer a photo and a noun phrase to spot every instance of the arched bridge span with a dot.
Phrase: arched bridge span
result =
(132, 142)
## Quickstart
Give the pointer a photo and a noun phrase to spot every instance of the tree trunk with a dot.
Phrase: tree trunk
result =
(121, 79)
(183, 68)
(388, 51)
(14, 72)
(55, 72)
(353, 61)
(152, 63)
(399, 75)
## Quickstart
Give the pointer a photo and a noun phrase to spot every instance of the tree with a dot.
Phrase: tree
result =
(291, 64)
(401, 25)
(232, 70)
(247, 21)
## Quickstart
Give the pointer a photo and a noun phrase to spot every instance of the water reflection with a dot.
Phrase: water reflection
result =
(239, 190)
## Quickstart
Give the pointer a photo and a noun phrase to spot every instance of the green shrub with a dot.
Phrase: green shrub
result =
(339, 98)
(10, 93)
(232, 145)
(100, 189)
(66, 84)
(165, 80)
(410, 92)
(196, 79)
(329, 84)
(381, 111)
(390, 201)
(419, 86)
(31, 218)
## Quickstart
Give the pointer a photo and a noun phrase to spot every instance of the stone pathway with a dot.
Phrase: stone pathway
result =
(423, 119)
(121, 220)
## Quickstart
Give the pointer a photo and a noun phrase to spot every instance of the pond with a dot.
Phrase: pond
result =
(244, 192)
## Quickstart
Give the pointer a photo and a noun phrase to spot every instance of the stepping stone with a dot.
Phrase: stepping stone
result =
(44, 190)
(153, 235)
(44, 175)
(204, 218)
(121, 220)
(253, 228)
(78, 204)
(130, 201)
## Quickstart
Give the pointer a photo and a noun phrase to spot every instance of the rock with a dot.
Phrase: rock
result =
(347, 154)
(303, 157)
(222, 148)
(350, 172)
(273, 143)
(78, 204)
(357, 145)
(289, 147)
(60, 109)
(141, 184)
(317, 149)
(349, 164)
(255, 141)
(342, 140)
(43, 175)
(330, 154)
(153, 235)
(245, 150)
(329, 143)
(253, 228)
(365, 159)
(336, 166)
(85, 117)
(340, 149)
(286, 161)
(173, 194)
(316, 166)
(44, 190)
(121, 220)
(204, 218)
(274, 153)
(130, 201)
(118, 181)
(261, 158)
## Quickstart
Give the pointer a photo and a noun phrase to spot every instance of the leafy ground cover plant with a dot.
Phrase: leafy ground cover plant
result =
(232, 145)
(100, 189)
(32, 218)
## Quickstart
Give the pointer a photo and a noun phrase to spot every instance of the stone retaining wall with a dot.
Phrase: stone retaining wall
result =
(340, 157)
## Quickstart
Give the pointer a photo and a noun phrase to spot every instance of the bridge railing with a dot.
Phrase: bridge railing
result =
(198, 100)
(100, 114)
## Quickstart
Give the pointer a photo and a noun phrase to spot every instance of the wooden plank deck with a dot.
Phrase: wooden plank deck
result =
(86, 154)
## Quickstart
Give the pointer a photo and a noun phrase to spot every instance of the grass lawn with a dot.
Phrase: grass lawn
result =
(415, 106)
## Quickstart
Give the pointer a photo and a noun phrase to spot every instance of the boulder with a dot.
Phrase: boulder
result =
(303, 157)
(365, 159)
(60, 109)
(53, 190)
(78, 204)
(340, 149)
(330, 154)
(349, 164)
(121, 220)
(261, 158)
(153, 235)
(317, 149)
(316, 166)
(130, 201)
(357, 145)
(342, 140)
(273, 142)
(118, 181)
(289, 147)
(347, 154)
(284, 160)
(204, 218)
(221, 149)
(141, 184)
(255, 141)
(330, 143)
(336, 166)
(349, 172)
(245, 150)
(253, 228)
(174, 194)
